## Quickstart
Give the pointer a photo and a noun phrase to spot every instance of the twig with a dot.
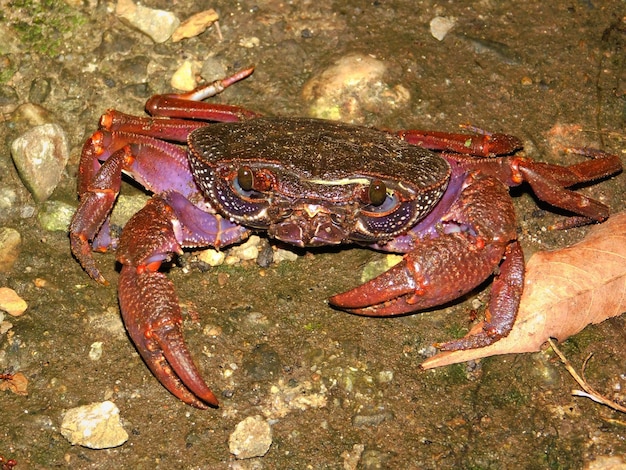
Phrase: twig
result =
(589, 392)
(218, 30)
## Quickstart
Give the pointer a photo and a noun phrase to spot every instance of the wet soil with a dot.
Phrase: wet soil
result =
(340, 391)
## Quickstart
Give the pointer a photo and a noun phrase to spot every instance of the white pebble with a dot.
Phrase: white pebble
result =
(440, 26)
(95, 353)
(252, 437)
(212, 257)
(185, 77)
(96, 426)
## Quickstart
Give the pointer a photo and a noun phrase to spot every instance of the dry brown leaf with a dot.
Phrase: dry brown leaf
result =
(16, 383)
(564, 291)
(195, 25)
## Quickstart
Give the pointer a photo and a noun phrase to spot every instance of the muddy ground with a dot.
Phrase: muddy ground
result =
(266, 338)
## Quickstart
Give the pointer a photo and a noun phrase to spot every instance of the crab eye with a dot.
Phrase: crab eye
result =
(245, 178)
(377, 193)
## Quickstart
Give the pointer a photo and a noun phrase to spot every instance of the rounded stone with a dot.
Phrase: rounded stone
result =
(352, 87)
(40, 156)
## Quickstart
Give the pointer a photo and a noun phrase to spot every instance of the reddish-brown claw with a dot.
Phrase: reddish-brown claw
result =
(424, 278)
(148, 301)
(153, 319)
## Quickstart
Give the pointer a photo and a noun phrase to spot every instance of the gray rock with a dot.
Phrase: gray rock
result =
(158, 24)
(40, 89)
(371, 417)
(263, 363)
(8, 95)
(40, 156)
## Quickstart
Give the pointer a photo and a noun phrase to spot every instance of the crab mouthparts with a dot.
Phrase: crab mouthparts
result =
(309, 225)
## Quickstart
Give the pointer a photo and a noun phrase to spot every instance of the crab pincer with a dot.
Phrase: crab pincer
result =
(148, 301)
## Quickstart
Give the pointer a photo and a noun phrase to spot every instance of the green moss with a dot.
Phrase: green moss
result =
(313, 326)
(512, 396)
(6, 74)
(455, 374)
(456, 331)
(42, 24)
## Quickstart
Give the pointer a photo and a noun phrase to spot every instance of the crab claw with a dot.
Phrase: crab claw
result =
(426, 277)
(387, 294)
(148, 301)
(420, 281)
(157, 334)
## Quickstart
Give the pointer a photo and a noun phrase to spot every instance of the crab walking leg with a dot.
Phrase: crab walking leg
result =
(131, 144)
(190, 105)
(147, 298)
(548, 181)
(484, 144)
(157, 165)
(96, 203)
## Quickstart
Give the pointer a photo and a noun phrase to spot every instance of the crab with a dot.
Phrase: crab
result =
(441, 199)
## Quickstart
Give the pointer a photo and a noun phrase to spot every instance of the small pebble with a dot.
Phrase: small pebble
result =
(33, 114)
(95, 352)
(10, 243)
(211, 256)
(252, 437)
(8, 97)
(159, 25)
(351, 458)
(40, 156)
(385, 376)
(4, 326)
(249, 42)
(266, 256)
(379, 266)
(195, 25)
(440, 26)
(12, 303)
(39, 90)
(371, 419)
(96, 426)
(244, 252)
(185, 77)
(284, 255)
(222, 279)
(126, 207)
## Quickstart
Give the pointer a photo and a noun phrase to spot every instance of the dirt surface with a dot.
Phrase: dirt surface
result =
(339, 391)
